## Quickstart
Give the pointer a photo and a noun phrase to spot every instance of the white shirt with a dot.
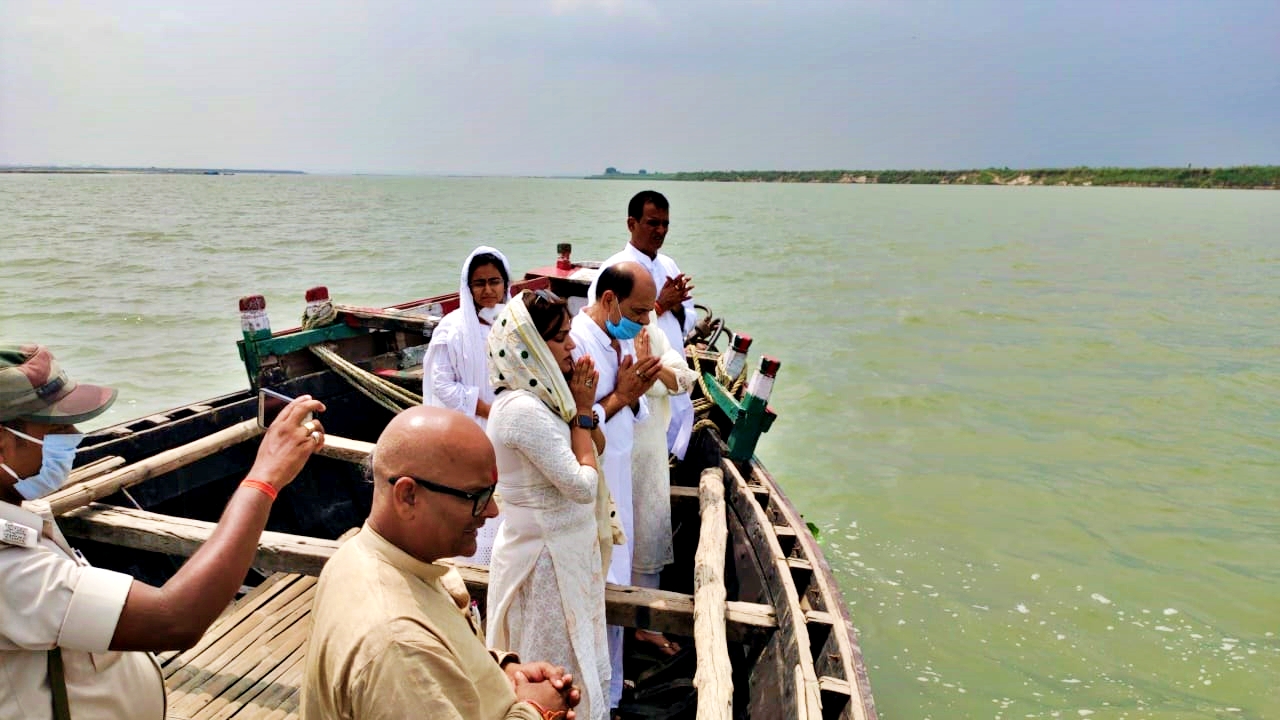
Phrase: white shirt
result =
(661, 267)
(619, 431)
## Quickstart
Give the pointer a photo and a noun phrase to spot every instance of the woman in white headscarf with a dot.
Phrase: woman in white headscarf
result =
(455, 371)
(546, 581)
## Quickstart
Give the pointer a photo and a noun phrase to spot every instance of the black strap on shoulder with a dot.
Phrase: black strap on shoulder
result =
(58, 685)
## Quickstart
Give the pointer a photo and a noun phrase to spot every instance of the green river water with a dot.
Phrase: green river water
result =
(1037, 427)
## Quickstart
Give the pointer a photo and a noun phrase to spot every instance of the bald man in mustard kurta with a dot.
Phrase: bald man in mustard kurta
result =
(391, 639)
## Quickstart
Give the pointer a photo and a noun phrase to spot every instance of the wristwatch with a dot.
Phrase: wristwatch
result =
(587, 422)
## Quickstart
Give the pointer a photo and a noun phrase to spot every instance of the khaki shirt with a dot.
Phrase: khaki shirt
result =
(50, 596)
(388, 641)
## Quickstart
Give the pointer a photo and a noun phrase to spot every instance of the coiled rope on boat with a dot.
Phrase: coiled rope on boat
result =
(708, 331)
(382, 391)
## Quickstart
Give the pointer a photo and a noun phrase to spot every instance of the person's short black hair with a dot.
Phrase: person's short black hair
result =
(619, 280)
(547, 310)
(483, 259)
(635, 208)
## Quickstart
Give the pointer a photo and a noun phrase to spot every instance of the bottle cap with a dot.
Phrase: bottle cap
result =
(769, 366)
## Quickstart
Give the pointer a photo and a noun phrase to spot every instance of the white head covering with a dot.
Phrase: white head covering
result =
(519, 359)
(467, 355)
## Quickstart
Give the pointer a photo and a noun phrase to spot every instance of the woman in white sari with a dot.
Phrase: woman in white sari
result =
(455, 371)
(546, 580)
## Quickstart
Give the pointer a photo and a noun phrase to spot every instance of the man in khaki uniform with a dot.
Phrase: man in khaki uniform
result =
(389, 639)
(68, 631)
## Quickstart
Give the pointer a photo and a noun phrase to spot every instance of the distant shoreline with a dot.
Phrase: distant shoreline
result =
(1249, 177)
(56, 170)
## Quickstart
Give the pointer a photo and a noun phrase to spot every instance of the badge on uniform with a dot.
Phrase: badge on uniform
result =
(12, 533)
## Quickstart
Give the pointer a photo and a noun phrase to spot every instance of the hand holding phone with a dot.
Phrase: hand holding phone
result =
(292, 436)
(270, 404)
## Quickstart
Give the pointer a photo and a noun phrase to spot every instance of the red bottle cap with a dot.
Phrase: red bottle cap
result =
(318, 293)
(769, 366)
(252, 302)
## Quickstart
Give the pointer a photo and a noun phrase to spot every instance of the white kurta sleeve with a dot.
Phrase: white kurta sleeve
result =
(446, 381)
(685, 375)
(532, 430)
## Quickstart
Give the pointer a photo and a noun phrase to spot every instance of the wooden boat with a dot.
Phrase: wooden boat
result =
(750, 589)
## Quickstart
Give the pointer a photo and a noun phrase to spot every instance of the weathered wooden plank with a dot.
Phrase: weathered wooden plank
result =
(786, 537)
(629, 606)
(846, 660)
(141, 530)
(836, 694)
(75, 496)
(714, 675)
(790, 660)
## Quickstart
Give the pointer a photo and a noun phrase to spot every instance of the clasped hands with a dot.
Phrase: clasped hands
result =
(547, 685)
(674, 292)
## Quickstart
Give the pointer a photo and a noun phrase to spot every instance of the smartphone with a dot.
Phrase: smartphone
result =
(270, 403)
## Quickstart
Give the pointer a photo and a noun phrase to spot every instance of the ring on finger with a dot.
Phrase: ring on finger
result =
(315, 436)
(309, 426)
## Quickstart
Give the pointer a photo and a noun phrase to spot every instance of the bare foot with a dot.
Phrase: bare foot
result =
(658, 640)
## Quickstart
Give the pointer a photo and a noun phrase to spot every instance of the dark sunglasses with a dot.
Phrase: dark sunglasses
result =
(479, 499)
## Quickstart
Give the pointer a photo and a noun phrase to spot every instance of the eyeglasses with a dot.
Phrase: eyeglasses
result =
(547, 297)
(479, 499)
(482, 283)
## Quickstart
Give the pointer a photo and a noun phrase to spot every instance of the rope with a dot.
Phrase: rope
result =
(380, 390)
(702, 406)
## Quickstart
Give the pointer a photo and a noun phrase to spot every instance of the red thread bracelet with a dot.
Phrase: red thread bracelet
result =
(265, 488)
(548, 714)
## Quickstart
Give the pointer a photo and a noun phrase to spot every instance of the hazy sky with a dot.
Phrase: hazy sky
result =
(572, 86)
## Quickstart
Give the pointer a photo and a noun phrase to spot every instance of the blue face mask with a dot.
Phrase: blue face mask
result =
(56, 459)
(624, 329)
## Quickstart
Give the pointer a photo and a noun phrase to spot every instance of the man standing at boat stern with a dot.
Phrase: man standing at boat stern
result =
(69, 632)
(648, 219)
(391, 638)
(605, 330)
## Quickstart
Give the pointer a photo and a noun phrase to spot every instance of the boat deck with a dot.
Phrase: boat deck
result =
(249, 665)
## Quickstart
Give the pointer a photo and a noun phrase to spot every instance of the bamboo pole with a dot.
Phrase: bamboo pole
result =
(97, 488)
(341, 448)
(658, 610)
(714, 676)
(94, 469)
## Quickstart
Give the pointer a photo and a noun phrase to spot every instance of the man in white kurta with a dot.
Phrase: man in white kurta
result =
(650, 471)
(604, 330)
(648, 219)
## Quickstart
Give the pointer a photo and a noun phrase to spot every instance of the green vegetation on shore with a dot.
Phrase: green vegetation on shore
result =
(1244, 177)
